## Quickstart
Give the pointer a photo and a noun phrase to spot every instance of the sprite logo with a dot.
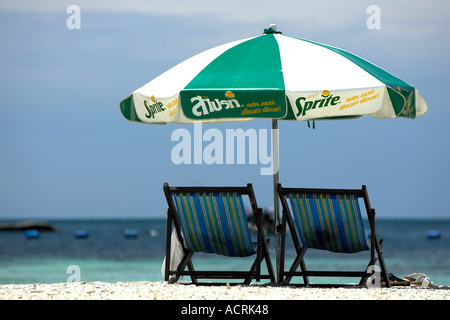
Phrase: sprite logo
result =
(204, 105)
(153, 108)
(326, 100)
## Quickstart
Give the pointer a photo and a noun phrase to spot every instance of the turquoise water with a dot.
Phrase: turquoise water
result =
(107, 255)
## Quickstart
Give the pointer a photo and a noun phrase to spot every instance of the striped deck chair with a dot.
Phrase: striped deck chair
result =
(328, 219)
(213, 220)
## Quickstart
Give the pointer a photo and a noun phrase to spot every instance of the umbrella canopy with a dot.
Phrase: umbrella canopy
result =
(275, 77)
(272, 76)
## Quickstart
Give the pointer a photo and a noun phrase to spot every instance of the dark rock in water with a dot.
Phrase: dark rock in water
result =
(27, 225)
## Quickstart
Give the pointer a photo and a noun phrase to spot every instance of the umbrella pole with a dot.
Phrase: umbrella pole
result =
(276, 207)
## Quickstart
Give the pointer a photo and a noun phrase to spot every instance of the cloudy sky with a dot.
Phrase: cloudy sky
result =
(67, 152)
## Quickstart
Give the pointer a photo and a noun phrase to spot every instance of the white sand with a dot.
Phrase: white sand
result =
(163, 291)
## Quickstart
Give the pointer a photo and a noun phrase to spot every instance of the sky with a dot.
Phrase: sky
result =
(67, 152)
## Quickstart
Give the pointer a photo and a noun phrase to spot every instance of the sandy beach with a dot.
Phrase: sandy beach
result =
(162, 291)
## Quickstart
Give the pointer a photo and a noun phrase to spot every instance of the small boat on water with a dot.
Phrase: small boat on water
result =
(81, 234)
(32, 234)
(130, 233)
(433, 234)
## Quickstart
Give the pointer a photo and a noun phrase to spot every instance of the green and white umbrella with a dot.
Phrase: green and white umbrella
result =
(272, 76)
(276, 77)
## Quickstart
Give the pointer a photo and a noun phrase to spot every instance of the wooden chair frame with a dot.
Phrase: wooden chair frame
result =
(173, 223)
(287, 220)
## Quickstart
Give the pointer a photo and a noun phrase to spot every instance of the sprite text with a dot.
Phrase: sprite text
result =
(303, 105)
(153, 108)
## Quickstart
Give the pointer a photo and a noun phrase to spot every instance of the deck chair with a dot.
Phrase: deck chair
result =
(329, 219)
(213, 220)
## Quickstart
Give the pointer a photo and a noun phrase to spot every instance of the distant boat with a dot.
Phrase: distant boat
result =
(433, 234)
(27, 225)
(130, 233)
(32, 234)
(81, 234)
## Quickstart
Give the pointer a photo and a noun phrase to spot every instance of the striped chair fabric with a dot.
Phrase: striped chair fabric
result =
(214, 222)
(328, 221)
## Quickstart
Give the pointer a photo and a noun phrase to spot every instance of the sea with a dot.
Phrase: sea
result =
(133, 250)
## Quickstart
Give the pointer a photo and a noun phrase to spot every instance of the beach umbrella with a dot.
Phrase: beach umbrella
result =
(272, 76)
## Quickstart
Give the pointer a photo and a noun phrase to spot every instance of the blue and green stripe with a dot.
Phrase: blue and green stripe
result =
(329, 221)
(214, 222)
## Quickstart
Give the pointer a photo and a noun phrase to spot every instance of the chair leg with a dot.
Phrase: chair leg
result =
(168, 246)
(381, 261)
(264, 256)
(372, 262)
(252, 272)
(299, 261)
(379, 257)
(191, 268)
(186, 261)
(269, 261)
